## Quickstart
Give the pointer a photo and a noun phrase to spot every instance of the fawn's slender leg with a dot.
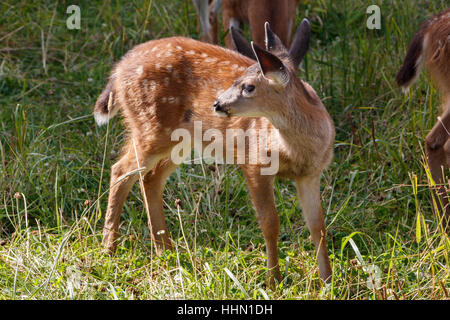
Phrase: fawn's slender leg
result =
(309, 194)
(261, 191)
(154, 183)
(118, 192)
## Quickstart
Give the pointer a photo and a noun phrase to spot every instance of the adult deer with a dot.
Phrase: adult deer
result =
(280, 14)
(430, 47)
(164, 85)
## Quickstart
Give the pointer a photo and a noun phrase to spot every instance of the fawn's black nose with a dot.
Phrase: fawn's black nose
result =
(220, 110)
(217, 106)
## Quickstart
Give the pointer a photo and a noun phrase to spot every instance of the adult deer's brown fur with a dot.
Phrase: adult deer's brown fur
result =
(279, 13)
(166, 84)
(430, 47)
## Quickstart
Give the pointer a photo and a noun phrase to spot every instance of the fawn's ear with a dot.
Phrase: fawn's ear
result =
(300, 44)
(273, 43)
(271, 66)
(241, 44)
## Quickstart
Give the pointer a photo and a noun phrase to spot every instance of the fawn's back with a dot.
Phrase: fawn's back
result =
(166, 84)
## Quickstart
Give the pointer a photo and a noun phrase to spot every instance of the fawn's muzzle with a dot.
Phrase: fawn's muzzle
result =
(220, 110)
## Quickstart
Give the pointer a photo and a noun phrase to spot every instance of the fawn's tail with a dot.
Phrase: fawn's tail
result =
(413, 63)
(104, 108)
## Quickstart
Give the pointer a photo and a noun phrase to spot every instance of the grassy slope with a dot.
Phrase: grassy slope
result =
(51, 167)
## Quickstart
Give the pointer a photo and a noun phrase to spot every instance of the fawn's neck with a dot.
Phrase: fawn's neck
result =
(302, 124)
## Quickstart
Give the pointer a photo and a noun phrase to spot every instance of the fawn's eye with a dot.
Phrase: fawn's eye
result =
(248, 88)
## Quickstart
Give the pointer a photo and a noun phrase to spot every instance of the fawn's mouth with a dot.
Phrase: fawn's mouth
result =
(222, 112)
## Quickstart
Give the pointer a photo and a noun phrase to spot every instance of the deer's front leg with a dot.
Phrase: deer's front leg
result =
(309, 194)
(261, 191)
(202, 8)
(437, 147)
(436, 158)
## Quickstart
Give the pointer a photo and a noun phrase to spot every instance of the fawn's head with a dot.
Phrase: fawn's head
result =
(266, 83)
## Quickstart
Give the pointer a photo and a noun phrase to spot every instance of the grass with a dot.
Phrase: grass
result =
(384, 240)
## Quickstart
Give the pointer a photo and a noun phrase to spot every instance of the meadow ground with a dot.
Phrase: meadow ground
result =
(383, 238)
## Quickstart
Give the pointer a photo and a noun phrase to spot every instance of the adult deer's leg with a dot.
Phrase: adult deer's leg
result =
(227, 21)
(154, 183)
(309, 194)
(202, 8)
(261, 191)
(214, 8)
(120, 186)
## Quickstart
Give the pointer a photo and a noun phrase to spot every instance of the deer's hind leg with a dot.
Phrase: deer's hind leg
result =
(154, 182)
(123, 177)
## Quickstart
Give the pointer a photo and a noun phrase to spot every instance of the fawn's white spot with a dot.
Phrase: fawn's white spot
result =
(174, 100)
(179, 48)
(204, 55)
(151, 110)
(142, 112)
(139, 70)
(166, 81)
(190, 52)
(241, 69)
(210, 60)
(158, 66)
(155, 48)
(169, 68)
